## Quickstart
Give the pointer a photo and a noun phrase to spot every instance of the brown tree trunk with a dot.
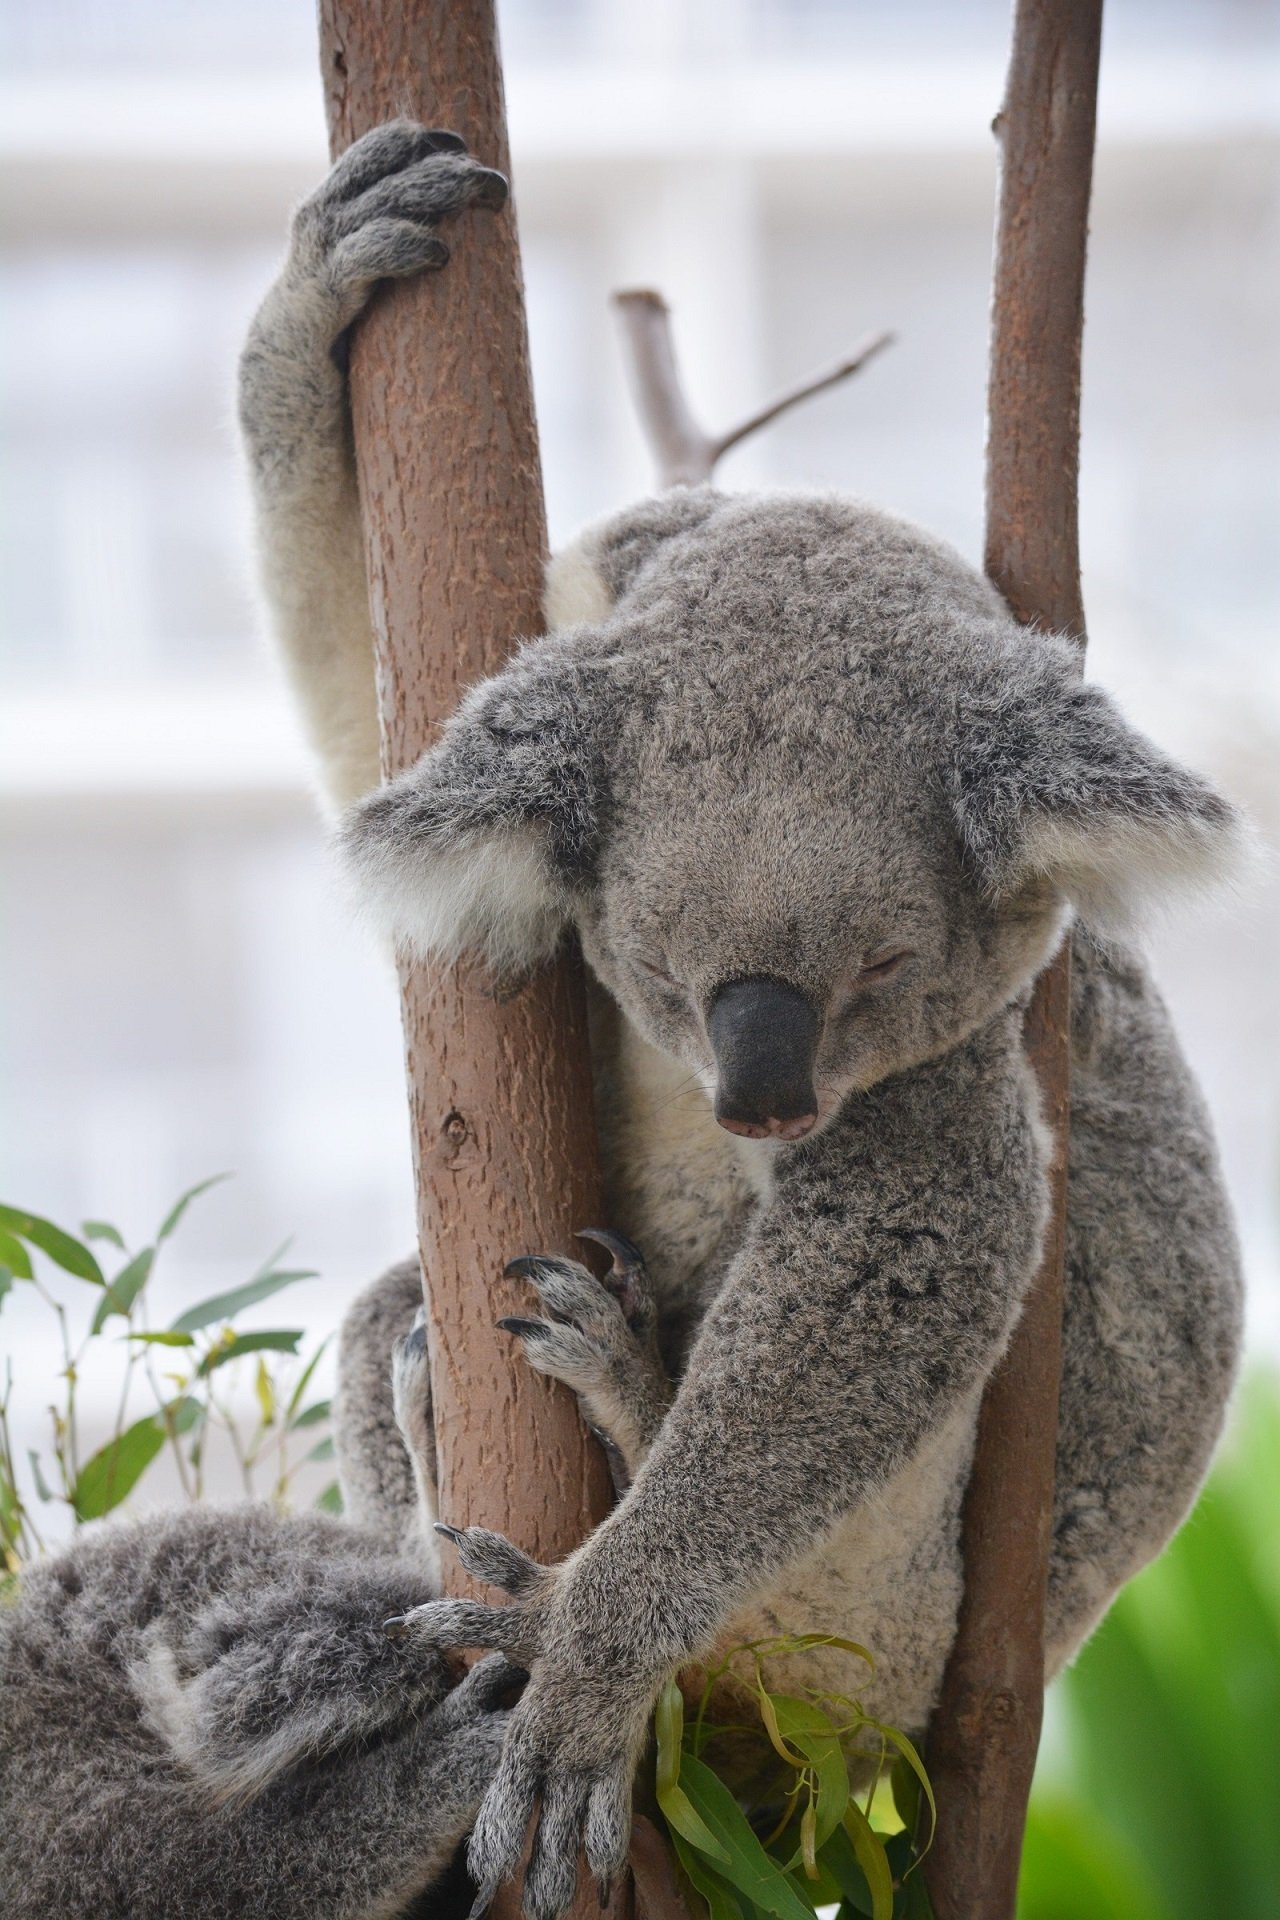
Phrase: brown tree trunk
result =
(983, 1741)
(446, 445)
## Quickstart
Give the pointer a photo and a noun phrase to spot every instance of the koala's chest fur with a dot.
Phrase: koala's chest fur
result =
(686, 1190)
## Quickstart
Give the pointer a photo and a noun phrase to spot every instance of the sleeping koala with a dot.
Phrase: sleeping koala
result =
(201, 1717)
(818, 812)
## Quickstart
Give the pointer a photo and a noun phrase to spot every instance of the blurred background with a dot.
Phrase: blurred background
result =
(180, 992)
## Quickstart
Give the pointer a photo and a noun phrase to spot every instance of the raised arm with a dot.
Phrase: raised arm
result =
(376, 217)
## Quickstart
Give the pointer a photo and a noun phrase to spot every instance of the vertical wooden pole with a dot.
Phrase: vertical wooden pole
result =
(500, 1093)
(982, 1745)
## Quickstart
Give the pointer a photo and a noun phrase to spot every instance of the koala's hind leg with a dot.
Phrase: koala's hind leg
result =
(601, 1339)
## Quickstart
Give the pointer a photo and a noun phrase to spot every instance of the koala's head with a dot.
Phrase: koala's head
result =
(815, 805)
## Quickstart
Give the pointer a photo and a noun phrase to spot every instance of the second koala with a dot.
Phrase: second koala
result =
(818, 812)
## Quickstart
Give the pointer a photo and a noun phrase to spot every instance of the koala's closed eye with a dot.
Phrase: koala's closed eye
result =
(883, 965)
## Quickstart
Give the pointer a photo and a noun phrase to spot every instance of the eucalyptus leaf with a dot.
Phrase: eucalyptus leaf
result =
(310, 1416)
(173, 1218)
(722, 1903)
(14, 1256)
(225, 1306)
(65, 1251)
(748, 1867)
(869, 1849)
(42, 1486)
(124, 1288)
(162, 1339)
(110, 1475)
(304, 1381)
(103, 1230)
(330, 1501)
(276, 1341)
(323, 1449)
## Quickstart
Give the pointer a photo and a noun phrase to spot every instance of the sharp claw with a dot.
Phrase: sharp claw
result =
(492, 190)
(527, 1329)
(397, 1627)
(442, 141)
(523, 1267)
(483, 1901)
(455, 1534)
(625, 1258)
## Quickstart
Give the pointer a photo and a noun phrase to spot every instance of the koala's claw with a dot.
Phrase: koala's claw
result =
(493, 1558)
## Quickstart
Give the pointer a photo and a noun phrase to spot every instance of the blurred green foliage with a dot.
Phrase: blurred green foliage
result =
(187, 1373)
(1166, 1803)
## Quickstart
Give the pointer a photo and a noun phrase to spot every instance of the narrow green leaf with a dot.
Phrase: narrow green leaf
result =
(330, 1501)
(110, 1475)
(163, 1339)
(909, 1757)
(265, 1390)
(748, 1866)
(171, 1220)
(318, 1410)
(14, 1256)
(44, 1490)
(276, 1341)
(123, 1290)
(323, 1449)
(185, 1413)
(304, 1381)
(103, 1230)
(62, 1249)
(721, 1902)
(869, 1848)
(810, 1730)
(668, 1727)
(225, 1306)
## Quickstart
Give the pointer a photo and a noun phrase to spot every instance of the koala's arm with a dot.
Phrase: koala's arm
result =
(375, 218)
(873, 1295)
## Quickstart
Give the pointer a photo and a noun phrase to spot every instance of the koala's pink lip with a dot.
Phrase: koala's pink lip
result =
(771, 1129)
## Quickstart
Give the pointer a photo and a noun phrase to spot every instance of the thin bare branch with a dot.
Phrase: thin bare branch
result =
(685, 453)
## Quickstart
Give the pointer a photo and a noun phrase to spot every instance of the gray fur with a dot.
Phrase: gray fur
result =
(784, 737)
(792, 738)
(201, 1715)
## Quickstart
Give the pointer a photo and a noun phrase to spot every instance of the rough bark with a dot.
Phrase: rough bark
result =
(982, 1745)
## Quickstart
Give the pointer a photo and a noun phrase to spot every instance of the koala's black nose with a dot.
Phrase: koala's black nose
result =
(764, 1035)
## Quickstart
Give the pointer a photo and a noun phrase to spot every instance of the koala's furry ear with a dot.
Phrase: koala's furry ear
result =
(480, 846)
(1050, 781)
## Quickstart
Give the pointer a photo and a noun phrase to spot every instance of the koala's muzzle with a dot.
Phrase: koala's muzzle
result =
(764, 1035)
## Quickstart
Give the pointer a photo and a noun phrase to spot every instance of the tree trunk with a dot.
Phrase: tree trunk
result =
(983, 1741)
(446, 445)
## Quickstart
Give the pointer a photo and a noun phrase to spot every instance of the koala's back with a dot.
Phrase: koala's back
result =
(86, 1772)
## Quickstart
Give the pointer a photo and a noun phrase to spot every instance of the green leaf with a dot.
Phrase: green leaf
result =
(318, 1410)
(330, 1501)
(869, 1849)
(103, 1230)
(61, 1248)
(266, 1393)
(909, 1758)
(110, 1475)
(323, 1449)
(810, 1730)
(163, 1339)
(123, 1290)
(225, 1306)
(171, 1220)
(185, 1413)
(6, 1283)
(841, 1862)
(15, 1257)
(721, 1901)
(748, 1867)
(304, 1381)
(677, 1809)
(44, 1490)
(276, 1341)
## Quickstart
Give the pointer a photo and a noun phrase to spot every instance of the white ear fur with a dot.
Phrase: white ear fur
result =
(574, 590)
(493, 895)
(1121, 873)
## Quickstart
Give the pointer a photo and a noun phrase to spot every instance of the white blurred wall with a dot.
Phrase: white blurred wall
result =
(179, 989)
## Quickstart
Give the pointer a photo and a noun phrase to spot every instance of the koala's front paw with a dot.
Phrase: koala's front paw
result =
(602, 1342)
(572, 1744)
(376, 216)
